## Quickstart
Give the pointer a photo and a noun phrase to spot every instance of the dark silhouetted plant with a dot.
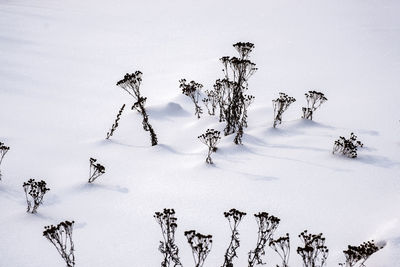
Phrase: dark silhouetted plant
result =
(61, 237)
(267, 225)
(282, 247)
(192, 90)
(347, 147)
(201, 246)
(247, 100)
(281, 104)
(234, 217)
(131, 84)
(211, 101)
(230, 91)
(115, 125)
(314, 253)
(3, 151)
(314, 101)
(210, 138)
(359, 254)
(168, 248)
(34, 193)
(96, 170)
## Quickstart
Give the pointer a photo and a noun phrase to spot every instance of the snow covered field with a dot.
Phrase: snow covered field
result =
(60, 61)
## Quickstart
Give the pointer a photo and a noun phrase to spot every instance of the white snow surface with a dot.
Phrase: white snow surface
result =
(60, 61)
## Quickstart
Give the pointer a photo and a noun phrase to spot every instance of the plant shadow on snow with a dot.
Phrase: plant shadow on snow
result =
(16, 41)
(12, 194)
(51, 199)
(84, 188)
(246, 175)
(229, 151)
(296, 128)
(368, 132)
(173, 150)
(252, 140)
(40, 215)
(256, 177)
(378, 161)
(106, 142)
(304, 123)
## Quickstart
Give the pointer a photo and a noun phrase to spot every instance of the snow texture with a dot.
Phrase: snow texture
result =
(60, 61)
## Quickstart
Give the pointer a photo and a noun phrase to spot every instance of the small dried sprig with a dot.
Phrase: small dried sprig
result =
(282, 247)
(234, 217)
(201, 245)
(359, 254)
(347, 147)
(61, 237)
(314, 252)
(96, 170)
(115, 125)
(3, 151)
(167, 221)
(244, 49)
(314, 101)
(192, 90)
(210, 138)
(267, 225)
(231, 90)
(131, 84)
(281, 104)
(211, 101)
(34, 193)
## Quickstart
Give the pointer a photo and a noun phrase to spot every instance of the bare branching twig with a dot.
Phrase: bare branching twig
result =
(3, 151)
(167, 221)
(96, 170)
(210, 138)
(201, 245)
(314, 252)
(131, 84)
(347, 147)
(267, 225)
(34, 193)
(359, 254)
(314, 101)
(234, 217)
(115, 124)
(282, 247)
(281, 104)
(61, 237)
(192, 90)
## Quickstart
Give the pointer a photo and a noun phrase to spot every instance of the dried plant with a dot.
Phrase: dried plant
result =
(347, 147)
(359, 254)
(201, 246)
(281, 104)
(282, 247)
(95, 170)
(131, 84)
(168, 248)
(192, 90)
(211, 101)
(314, 101)
(314, 253)
(34, 193)
(61, 237)
(3, 151)
(115, 125)
(234, 217)
(210, 138)
(229, 92)
(267, 225)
